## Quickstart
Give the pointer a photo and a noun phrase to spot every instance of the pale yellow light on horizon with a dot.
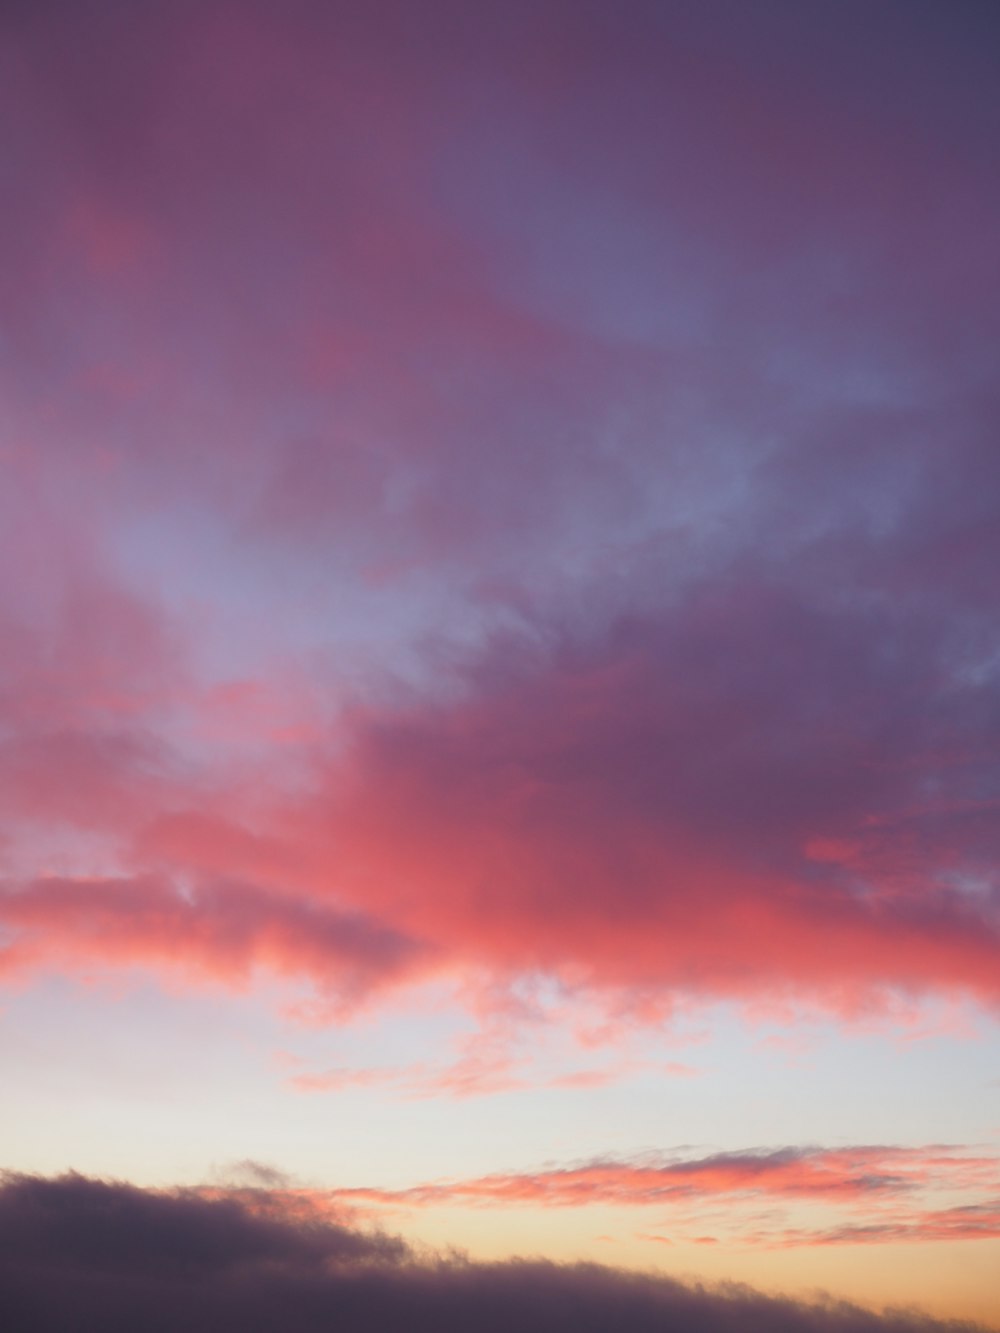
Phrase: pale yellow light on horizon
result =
(946, 1279)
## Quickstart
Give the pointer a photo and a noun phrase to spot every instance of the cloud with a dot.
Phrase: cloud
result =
(476, 1075)
(255, 1174)
(729, 797)
(869, 1175)
(743, 796)
(471, 1075)
(78, 1253)
(223, 932)
(973, 1221)
(562, 451)
(119, 1229)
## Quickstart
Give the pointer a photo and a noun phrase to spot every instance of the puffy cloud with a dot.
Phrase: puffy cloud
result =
(558, 448)
(73, 1222)
(744, 794)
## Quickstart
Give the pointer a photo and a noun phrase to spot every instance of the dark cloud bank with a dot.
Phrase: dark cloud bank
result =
(81, 1254)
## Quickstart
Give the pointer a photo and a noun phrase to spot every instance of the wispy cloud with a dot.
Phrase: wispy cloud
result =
(887, 1192)
(972, 1221)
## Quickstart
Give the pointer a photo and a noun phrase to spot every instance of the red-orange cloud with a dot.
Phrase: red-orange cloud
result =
(844, 1176)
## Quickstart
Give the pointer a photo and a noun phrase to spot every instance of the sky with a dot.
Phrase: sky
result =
(500, 689)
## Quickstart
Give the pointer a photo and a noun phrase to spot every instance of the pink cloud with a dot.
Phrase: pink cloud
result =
(973, 1221)
(471, 1075)
(218, 933)
(843, 1176)
(634, 814)
(887, 1193)
(567, 465)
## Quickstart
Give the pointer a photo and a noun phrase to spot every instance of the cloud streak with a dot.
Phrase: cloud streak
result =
(848, 1175)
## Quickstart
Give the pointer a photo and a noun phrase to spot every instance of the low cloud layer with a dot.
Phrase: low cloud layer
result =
(79, 1254)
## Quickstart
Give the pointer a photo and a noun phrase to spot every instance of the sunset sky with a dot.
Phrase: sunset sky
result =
(500, 623)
